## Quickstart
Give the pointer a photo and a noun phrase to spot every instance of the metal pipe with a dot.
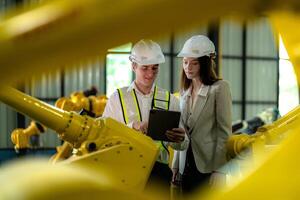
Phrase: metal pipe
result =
(44, 113)
(70, 126)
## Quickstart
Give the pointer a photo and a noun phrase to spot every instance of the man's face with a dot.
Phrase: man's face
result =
(145, 74)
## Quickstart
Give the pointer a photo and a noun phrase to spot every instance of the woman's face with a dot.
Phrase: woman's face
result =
(191, 67)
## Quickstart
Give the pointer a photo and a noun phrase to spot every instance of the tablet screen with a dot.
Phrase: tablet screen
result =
(160, 121)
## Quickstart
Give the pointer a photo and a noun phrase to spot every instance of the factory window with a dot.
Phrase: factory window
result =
(250, 62)
(118, 68)
(288, 88)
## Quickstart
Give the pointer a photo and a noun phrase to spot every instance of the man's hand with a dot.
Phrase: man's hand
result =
(176, 135)
(140, 126)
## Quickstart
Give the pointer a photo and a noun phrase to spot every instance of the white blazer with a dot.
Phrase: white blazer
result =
(209, 127)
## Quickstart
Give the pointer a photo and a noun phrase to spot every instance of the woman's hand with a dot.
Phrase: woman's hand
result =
(176, 177)
(176, 135)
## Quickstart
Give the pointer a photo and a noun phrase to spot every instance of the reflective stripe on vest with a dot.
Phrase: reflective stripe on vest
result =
(124, 106)
(161, 100)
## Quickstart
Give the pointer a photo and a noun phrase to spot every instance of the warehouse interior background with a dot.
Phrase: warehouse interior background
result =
(249, 55)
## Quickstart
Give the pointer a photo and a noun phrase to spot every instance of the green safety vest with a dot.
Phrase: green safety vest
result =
(129, 102)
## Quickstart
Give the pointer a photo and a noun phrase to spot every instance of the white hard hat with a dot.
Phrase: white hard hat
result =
(197, 46)
(146, 52)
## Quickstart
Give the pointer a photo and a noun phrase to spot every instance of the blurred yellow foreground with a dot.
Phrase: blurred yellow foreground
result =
(58, 33)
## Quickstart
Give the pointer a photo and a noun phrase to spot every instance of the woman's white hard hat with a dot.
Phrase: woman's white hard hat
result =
(147, 52)
(197, 46)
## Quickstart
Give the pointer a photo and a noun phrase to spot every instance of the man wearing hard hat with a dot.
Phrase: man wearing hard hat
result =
(131, 105)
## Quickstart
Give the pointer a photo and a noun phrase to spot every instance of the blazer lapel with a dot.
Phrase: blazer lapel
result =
(184, 108)
(201, 100)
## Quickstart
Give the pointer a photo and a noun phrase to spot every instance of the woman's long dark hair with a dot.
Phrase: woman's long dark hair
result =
(207, 73)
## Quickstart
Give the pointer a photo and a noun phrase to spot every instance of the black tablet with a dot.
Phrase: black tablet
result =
(160, 121)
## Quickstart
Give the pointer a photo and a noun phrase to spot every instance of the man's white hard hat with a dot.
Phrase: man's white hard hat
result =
(147, 52)
(197, 46)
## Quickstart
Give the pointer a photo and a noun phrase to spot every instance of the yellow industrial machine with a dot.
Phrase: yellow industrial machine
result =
(63, 152)
(86, 100)
(271, 134)
(20, 137)
(77, 101)
(34, 37)
(272, 158)
(92, 25)
(103, 146)
(83, 101)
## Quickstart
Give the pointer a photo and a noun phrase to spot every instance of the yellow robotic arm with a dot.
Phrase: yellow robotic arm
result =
(101, 146)
(20, 137)
(77, 101)
(83, 100)
(97, 104)
(271, 134)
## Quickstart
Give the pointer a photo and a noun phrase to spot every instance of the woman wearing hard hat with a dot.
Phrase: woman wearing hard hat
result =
(131, 105)
(206, 113)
